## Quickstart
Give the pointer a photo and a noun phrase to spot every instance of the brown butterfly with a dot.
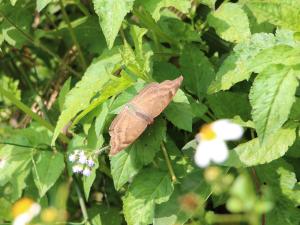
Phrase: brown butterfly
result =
(137, 114)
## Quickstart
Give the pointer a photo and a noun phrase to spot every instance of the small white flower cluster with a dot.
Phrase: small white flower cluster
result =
(83, 164)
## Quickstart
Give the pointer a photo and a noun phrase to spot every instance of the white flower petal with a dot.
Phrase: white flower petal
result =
(202, 155)
(72, 158)
(219, 151)
(86, 172)
(226, 130)
(26, 217)
(82, 159)
(22, 219)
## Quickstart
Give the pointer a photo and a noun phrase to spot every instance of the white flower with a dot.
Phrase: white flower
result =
(2, 163)
(212, 137)
(24, 211)
(82, 158)
(90, 162)
(86, 172)
(77, 169)
(72, 157)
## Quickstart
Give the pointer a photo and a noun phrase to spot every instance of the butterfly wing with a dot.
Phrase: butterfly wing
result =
(155, 97)
(139, 112)
(125, 129)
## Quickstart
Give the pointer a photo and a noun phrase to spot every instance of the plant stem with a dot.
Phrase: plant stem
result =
(81, 202)
(73, 36)
(39, 45)
(171, 170)
(29, 112)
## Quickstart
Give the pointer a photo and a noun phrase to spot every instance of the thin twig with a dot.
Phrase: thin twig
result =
(171, 170)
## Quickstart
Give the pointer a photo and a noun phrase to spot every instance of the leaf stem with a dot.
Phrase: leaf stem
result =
(171, 170)
(81, 201)
(38, 44)
(73, 36)
(29, 112)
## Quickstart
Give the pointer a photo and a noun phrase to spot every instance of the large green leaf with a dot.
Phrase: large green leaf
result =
(235, 67)
(150, 187)
(128, 162)
(111, 14)
(242, 61)
(179, 112)
(154, 7)
(47, 169)
(253, 153)
(283, 13)
(230, 22)
(196, 69)
(272, 96)
(79, 97)
(280, 54)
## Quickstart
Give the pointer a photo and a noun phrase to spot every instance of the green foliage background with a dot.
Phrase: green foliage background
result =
(68, 66)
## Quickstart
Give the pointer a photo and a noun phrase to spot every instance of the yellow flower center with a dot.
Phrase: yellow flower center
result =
(206, 133)
(21, 206)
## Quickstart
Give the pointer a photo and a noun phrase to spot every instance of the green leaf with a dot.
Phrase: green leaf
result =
(40, 4)
(78, 98)
(111, 14)
(103, 215)
(283, 13)
(21, 15)
(228, 104)
(88, 181)
(179, 112)
(164, 71)
(230, 22)
(154, 7)
(272, 96)
(112, 87)
(295, 111)
(63, 92)
(238, 65)
(150, 187)
(235, 67)
(128, 162)
(196, 69)
(289, 185)
(253, 153)
(281, 54)
(88, 34)
(47, 169)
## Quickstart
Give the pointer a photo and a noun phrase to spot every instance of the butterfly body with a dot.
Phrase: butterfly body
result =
(137, 114)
